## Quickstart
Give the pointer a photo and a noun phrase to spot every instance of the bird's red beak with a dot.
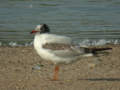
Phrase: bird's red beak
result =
(33, 31)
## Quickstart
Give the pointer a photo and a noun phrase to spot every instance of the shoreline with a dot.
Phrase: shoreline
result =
(91, 73)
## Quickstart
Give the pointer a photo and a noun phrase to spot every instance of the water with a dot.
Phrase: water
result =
(86, 21)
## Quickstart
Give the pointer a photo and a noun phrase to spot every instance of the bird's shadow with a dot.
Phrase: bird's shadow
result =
(101, 79)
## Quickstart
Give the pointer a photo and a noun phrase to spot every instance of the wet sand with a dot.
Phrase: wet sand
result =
(91, 73)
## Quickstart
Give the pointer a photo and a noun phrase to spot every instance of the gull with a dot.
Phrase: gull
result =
(59, 49)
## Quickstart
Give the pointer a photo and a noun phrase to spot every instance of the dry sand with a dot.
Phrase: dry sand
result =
(92, 73)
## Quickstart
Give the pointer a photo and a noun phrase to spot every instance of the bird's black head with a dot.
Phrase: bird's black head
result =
(43, 28)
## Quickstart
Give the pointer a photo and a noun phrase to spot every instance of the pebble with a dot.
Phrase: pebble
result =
(37, 67)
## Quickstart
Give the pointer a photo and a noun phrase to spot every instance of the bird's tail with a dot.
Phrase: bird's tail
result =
(95, 50)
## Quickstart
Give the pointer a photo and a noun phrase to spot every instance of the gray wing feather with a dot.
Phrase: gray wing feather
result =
(72, 52)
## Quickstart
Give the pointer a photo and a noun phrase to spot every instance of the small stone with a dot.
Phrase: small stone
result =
(92, 65)
(37, 67)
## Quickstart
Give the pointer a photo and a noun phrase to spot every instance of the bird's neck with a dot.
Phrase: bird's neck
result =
(38, 41)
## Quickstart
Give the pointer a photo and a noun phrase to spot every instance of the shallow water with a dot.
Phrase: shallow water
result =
(86, 21)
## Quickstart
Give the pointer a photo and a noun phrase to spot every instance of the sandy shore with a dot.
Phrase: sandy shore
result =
(93, 73)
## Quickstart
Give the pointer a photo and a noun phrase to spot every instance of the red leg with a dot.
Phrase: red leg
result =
(55, 77)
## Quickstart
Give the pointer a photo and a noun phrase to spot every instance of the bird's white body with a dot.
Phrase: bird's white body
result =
(56, 56)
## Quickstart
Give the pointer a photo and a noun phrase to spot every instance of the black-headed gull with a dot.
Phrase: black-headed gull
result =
(58, 49)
